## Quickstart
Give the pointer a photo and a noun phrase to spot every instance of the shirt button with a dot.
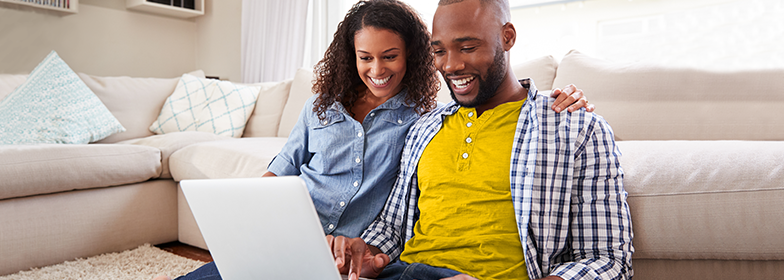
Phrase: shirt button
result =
(342, 204)
(468, 140)
(356, 183)
(357, 160)
(470, 114)
(359, 134)
(469, 124)
(372, 114)
(324, 122)
(465, 155)
(331, 226)
(399, 121)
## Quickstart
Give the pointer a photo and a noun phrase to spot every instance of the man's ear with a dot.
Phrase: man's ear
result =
(509, 35)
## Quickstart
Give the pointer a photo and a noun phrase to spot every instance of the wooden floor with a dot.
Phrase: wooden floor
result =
(185, 250)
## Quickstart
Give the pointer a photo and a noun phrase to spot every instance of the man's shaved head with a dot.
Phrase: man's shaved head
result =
(500, 7)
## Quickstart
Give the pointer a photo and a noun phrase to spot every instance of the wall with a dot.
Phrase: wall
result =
(709, 34)
(218, 45)
(105, 39)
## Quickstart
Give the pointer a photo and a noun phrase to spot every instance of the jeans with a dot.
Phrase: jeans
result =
(206, 272)
(401, 270)
(398, 270)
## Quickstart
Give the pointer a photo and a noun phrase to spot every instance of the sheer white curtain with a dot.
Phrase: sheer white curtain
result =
(274, 34)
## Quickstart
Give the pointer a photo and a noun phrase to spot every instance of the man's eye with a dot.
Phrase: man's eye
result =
(468, 49)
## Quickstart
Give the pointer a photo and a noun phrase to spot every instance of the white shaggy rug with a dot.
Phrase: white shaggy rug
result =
(142, 263)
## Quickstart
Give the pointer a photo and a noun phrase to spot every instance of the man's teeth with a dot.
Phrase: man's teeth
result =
(462, 83)
(381, 82)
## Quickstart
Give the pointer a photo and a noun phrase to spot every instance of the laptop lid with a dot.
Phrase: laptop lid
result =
(261, 228)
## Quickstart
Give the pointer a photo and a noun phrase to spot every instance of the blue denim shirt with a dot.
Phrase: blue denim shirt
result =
(349, 167)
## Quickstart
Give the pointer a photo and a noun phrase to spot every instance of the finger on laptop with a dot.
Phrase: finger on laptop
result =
(357, 249)
(329, 238)
(339, 251)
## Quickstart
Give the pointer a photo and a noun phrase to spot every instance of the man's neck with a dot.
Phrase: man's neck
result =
(510, 90)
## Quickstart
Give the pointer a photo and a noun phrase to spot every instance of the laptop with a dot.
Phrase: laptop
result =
(261, 228)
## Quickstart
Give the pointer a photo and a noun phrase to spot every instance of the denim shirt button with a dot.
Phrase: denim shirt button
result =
(372, 114)
(399, 121)
(356, 183)
(357, 160)
(359, 134)
(331, 226)
(342, 204)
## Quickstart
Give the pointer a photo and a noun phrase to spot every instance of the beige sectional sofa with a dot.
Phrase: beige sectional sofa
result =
(702, 153)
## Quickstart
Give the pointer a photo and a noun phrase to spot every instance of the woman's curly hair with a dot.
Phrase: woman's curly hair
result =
(337, 78)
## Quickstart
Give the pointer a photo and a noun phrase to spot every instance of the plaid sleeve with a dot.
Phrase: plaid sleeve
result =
(395, 224)
(600, 227)
(385, 233)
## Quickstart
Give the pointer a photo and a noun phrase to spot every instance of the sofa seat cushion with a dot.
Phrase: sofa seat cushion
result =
(49, 168)
(234, 158)
(705, 199)
(171, 142)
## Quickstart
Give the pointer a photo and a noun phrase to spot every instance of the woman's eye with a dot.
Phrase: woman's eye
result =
(364, 58)
(390, 57)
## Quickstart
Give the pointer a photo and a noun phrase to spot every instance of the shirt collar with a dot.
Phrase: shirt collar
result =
(392, 103)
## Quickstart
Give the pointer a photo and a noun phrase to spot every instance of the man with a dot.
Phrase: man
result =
(496, 185)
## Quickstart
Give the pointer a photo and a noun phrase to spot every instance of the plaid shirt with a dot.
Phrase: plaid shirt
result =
(567, 191)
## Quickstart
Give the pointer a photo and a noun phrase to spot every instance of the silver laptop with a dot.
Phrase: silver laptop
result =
(261, 228)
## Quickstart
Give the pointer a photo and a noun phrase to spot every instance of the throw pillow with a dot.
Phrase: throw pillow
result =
(54, 106)
(207, 105)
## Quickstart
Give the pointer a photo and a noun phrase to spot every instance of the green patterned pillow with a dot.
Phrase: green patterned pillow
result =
(54, 106)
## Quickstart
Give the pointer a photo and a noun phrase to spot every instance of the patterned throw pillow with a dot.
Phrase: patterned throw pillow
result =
(54, 106)
(207, 105)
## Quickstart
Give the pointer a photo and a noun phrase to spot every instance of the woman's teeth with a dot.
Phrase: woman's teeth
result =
(462, 83)
(380, 82)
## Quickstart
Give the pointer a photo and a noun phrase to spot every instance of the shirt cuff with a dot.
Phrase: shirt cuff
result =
(574, 271)
(281, 167)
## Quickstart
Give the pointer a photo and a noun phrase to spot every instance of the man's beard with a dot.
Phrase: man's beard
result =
(487, 88)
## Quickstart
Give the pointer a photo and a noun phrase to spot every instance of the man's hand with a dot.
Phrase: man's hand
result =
(572, 97)
(352, 255)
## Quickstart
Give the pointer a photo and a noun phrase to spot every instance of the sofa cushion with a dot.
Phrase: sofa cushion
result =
(541, 70)
(171, 142)
(49, 168)
(9, 82)
(54, 106)
(234, 158)
(135, 102)
(207, 105)
(301, 90)
(650, 102)
(705, 199)
(266, 116)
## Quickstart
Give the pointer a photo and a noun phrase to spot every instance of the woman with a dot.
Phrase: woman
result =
(376, 78)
